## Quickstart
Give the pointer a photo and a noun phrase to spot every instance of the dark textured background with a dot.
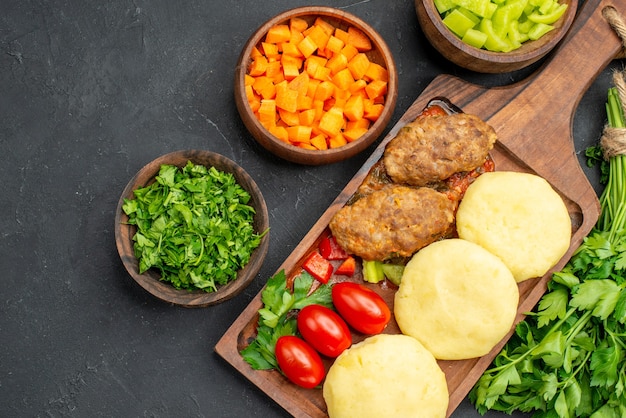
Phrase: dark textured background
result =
(89, 93)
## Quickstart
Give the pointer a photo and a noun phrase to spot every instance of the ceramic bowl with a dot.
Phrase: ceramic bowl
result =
(380, 54)
(150, 280)
(481, 60)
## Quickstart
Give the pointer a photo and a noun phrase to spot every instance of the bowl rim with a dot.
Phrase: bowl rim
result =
(149, 280)
(330, 155)
(518, 55)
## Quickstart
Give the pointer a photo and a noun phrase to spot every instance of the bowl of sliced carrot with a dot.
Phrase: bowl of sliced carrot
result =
(316, 85)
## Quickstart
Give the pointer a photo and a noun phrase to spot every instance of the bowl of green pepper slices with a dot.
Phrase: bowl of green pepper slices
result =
(192, 228)
(495, 36)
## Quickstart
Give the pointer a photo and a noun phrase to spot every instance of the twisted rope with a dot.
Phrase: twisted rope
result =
(613, 140)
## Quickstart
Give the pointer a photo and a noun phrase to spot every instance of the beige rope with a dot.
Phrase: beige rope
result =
(613, 141)
(615, 20)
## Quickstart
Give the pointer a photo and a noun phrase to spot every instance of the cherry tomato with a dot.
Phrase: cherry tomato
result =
(324, 329)
(361, 307)
(299, 361)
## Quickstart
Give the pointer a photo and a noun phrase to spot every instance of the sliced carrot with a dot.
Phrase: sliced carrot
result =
(324, 91)
(349, 51)
(286, 98)
(319, 142)
(376, 88)
(373, 110)
(376, 72)
(280, 132)
(342, 35)
(307, 46)
(312, 87)
(306, 117)
(358, 65)
(358, 87)
(300, 83)
(304, 102)
(264, 87)
(337, 63)
(354, 134)
(267, 114)
(334, 44)
(332, 121)
(255, 53)
(278, 33)
(299, 133)
(298, 24)
(291, 66)
(290, 49)
(354, 108)
(321, 73)
(258, 66)
(254, 100)
(296, 37)
(360, 40)
(337, 141)
(290, 118)
(361, 123)
(274, 72)
(312, 63)
(270, 50)
(318, 36)
(341, 96)
(323, 24)
(318, 106)
(343, 79)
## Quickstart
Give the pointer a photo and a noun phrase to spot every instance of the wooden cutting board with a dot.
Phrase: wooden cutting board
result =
(533, 120)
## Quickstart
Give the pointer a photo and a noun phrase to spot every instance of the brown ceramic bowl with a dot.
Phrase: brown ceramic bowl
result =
(379, 54)
(483, 61)
(149, 280)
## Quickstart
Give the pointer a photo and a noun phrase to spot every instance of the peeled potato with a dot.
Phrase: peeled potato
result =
(519, 218)
(386, 376)
(457, 299)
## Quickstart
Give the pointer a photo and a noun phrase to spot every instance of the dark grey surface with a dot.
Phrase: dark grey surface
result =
(89, 93)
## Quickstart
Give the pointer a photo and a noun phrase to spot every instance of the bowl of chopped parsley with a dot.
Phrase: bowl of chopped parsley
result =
(192, 228)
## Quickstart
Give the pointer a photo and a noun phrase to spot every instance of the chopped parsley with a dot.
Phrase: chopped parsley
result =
(194, 225)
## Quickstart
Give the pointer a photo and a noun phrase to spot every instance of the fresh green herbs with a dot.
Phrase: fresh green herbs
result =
(194, 225)
(568, 357)
(277, 317)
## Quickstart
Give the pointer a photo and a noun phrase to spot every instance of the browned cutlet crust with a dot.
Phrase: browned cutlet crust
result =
(395, 221)
(431, 149)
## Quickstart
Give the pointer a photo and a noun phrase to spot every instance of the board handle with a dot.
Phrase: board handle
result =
(567, 74)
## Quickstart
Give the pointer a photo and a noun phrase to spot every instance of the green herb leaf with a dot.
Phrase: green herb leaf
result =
(277, 317)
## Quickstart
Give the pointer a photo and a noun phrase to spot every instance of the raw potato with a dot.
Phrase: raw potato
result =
(386, 376)
(519, 218)
(457, 299)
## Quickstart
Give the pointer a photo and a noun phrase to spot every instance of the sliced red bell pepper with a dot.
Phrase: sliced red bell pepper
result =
(347, 267)
(330, 250)
(318, 267)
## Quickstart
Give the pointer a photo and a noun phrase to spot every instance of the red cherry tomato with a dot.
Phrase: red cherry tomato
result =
(299, 361)
(361, 307)
(324, 329)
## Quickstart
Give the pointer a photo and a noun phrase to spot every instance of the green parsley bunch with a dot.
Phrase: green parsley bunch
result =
(568, 357)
